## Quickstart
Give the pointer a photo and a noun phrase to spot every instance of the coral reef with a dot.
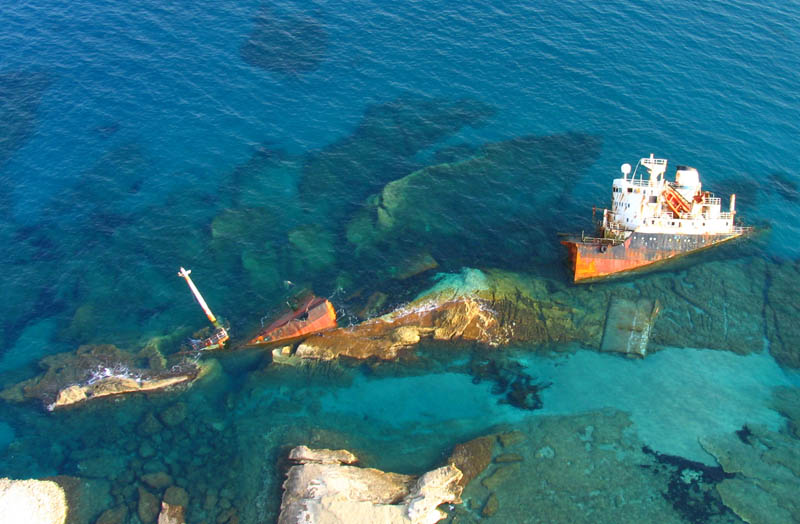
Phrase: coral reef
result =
(717, 304)
(330, 491)
(492, 309)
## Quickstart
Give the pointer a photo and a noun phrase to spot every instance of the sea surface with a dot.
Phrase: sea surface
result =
(244, 140)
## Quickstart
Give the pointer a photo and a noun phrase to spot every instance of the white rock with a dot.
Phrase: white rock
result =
(32, 502)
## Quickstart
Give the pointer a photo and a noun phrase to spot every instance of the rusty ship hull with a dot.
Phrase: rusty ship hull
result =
(315, 314)
(593, 259)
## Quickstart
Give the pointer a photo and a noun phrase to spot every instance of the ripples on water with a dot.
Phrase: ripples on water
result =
(246, 140)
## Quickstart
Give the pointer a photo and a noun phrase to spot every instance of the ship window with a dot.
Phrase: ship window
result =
(630, 190)
(652, 221)
(653, 199)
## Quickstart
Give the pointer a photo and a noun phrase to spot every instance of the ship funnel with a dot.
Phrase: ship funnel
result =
(626, 170)
(733, 204)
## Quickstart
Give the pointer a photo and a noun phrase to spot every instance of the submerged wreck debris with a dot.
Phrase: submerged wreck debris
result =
(628, 325)
(324, 487)
(100, 371)
(313, 315)
(220, 336)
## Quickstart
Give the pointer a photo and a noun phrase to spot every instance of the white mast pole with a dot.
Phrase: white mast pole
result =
(185, 274)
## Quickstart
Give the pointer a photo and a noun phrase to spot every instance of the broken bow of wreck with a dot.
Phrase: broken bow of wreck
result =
(652, 220)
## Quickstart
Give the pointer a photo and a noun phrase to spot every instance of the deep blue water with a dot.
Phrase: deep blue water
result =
(127, 129)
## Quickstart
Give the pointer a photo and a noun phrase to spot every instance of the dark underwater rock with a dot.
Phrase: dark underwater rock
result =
(284, 43)
(337, 179)
(487, 209)
(782, 313)
(20, 95)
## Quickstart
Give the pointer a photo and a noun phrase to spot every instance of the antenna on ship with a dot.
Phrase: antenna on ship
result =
(220, 335)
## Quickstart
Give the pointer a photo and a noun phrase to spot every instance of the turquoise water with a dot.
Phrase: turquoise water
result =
(244, 139)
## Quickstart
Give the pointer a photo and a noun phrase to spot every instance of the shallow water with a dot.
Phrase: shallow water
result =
(245, 140)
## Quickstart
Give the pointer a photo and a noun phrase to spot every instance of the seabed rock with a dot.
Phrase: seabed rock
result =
(317, 492)
(765, 470)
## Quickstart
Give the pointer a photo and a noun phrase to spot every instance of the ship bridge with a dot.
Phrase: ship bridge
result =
(645, 201)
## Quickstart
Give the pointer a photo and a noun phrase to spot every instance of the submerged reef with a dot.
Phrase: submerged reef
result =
(382, 148)
(99, 371)
(782, 312)
(579, 468)
(286, 44)
(20, 95)
(440, 207)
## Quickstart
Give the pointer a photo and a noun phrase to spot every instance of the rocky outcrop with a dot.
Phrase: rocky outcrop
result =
(473, 457)
(334, 492)
(32, 501)
(100, 371)
(463, 319)
(491, 308)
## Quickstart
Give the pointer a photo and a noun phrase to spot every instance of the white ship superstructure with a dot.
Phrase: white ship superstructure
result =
(652, 204)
